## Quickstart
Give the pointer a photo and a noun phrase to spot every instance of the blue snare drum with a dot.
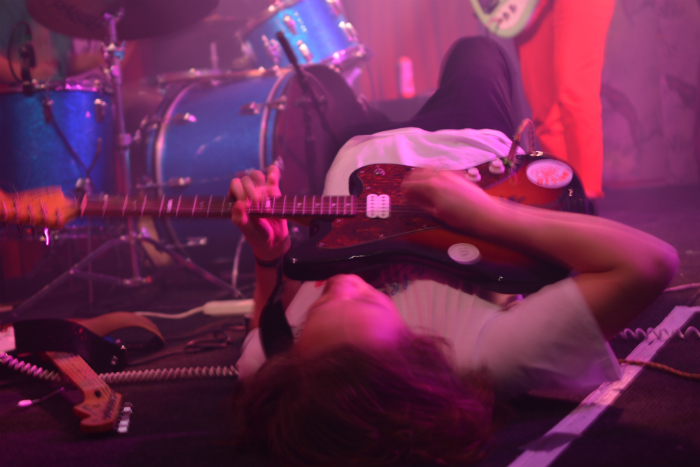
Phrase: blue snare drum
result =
(33, 152)
(211, 130)
(316, 29)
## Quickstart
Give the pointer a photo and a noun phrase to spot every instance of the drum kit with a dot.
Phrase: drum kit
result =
(210, 126)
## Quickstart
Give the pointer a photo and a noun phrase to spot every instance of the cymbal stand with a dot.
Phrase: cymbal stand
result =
(112, 53)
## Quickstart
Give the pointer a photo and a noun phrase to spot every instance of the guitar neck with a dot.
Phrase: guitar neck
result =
(219, 207)
(101, 406)
(79, 372)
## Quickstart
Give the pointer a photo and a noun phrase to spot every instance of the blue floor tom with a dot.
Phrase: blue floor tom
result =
(317, 31)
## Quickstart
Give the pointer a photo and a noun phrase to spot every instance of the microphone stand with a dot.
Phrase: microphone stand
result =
(315, 103)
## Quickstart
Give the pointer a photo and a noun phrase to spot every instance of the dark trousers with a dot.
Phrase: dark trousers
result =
(475, 92)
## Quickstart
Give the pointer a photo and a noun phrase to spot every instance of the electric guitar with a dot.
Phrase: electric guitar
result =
(101, 409)
(505, 18)
(374, 226)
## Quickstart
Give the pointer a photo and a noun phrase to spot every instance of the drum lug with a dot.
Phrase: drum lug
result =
(273, 49)
(47, 107)
(100, 110)
(349, 30)
(305, 52)
(254, 108)
(335, 7)
(179, 181)
(291, 24)
(181, 119)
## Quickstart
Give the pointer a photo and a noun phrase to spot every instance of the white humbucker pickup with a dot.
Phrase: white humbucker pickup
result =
(378, 206)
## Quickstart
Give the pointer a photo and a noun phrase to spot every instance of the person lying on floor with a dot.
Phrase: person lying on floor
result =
(366, 377)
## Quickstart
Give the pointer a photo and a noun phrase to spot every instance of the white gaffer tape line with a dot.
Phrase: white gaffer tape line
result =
(545, 450)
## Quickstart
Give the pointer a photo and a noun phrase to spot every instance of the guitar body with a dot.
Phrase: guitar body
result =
(507, 18)
(361, 244)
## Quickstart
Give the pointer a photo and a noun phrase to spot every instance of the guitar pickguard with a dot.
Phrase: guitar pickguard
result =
(387, 178)
(361, 244)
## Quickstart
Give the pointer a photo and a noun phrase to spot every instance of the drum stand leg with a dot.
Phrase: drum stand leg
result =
(112, 52)
(77, 271)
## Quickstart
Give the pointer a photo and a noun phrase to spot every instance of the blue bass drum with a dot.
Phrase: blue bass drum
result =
(60, 134)
(211, 130)
(316, 30)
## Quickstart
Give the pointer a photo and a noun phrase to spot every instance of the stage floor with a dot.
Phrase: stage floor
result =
(654, 420)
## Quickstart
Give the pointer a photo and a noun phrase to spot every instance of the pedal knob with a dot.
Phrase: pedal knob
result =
(473, 175)
(496, 167)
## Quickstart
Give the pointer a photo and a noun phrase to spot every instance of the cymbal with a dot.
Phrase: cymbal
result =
(141, 19)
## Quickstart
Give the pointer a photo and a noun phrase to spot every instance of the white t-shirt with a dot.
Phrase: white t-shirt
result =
(548, 339)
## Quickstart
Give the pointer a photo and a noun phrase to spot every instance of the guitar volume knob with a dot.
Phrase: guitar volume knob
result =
(473, 174)
(496, 167)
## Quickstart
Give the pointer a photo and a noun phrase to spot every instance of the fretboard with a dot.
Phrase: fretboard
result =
(79, 372)
(217, 206)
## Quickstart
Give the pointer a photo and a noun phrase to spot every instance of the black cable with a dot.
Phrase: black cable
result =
(9, 46)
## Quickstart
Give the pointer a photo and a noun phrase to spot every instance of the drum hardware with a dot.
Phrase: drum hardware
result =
(172, 183)
(140, 18)
(318, 29)
(113, 52)
(254, 108)
(28, 60)
(305, 51)
(100, 110)
(336, 7)
(291, 24)
(181, 119)
(272, 48)
(349, 30)
(47, 109)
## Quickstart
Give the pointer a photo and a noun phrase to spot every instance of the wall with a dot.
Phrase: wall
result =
(650, 96)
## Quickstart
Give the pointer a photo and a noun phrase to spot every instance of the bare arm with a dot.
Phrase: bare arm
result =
(621, 270)
(269, 238)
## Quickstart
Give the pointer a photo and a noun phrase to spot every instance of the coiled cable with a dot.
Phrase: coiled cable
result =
(126, 377)
(652, 333)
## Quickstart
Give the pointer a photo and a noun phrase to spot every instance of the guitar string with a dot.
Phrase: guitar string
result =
(186, 208)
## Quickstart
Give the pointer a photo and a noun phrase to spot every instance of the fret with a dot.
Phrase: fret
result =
(126, 200)
(194, 205)
(209, 206)
(284, 206)
(223, 205)
(273, 204)
(104, 207)
(294, 206)
(143, 207)
(177, 210)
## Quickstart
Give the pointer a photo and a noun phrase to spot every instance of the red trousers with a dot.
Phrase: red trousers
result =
(561, 61)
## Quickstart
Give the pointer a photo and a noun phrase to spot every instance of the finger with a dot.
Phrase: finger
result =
(235, 190)
(251, 190)
(258, 178)
(273, 180)
(239, 214)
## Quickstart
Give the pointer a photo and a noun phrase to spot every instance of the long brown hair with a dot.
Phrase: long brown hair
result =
(352, 407)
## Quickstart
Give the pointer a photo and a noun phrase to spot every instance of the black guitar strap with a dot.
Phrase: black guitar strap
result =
(275, 332)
